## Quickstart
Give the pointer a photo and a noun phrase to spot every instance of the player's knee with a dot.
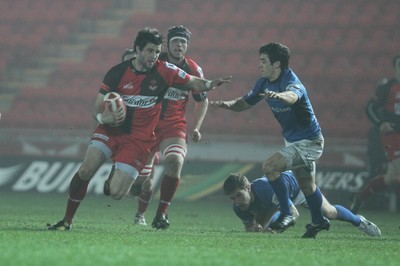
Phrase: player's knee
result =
(85, 172)
(174, 162)
(270, 171)
(267, 168)
(174, 157)
(120, 184)
(307, 188)
(116, 196)
(306, 181)
(116, 193)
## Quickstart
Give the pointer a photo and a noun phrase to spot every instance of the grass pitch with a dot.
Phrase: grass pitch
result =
(201, 233)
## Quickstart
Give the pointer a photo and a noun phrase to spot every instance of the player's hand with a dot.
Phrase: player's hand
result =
(218, 82)
(386, 127)
(216, 104)
(254, 228)
(119, 116)
(270, 95)
(114, 119)
(268, 230)
(196, 135)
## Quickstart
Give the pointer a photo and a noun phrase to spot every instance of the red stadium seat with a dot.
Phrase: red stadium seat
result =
(332, 50)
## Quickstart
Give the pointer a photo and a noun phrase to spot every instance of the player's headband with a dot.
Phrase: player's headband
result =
(174, 38)
(178, 32)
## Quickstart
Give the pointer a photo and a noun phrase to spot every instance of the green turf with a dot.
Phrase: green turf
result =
(201, 233)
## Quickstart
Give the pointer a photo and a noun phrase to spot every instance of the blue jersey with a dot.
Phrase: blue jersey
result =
(264, 197)
(297, 121)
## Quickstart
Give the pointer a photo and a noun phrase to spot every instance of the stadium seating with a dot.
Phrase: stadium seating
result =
(338, 55)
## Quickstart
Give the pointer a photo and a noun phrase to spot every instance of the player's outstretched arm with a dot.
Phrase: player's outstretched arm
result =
(287, 97)
(237, 105)
(204, 84)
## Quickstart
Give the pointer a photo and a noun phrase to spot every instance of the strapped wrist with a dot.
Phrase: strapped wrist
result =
(99, 118)
(208, 84)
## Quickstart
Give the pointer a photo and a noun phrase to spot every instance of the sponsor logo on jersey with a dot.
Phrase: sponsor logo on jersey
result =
(280, 110)
(153, 85)
(175, 94)
(170, 65)
(182, 73)
(128, 86)
(140, 101)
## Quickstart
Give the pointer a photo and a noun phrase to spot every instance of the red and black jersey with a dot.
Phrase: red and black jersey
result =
(142, 93)
(386, 106)
(175, 100)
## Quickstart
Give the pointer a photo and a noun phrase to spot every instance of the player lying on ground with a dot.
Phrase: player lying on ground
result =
(256, 204)
(287, 98)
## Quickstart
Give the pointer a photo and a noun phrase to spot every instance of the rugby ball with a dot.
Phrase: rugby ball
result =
(113, 101)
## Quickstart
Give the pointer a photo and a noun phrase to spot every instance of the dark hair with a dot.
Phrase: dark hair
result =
(235, 181)
(276, 52)
(147, 35)
(397, 57)
(178, 31)
(128, 54)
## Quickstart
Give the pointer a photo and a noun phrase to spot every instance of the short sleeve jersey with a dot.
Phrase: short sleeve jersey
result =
(175, 100)
(297, 121)
(264, 199)
(142, 93)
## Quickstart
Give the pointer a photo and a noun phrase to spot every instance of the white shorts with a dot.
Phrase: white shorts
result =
(299, 200)
(303, 153)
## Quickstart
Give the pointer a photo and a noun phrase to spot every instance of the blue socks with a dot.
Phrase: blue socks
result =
(274, 217)
(314, 202)
(282, 193)
(347, 216)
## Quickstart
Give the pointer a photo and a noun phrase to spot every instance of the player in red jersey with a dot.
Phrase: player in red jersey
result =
(171, 131)
(384, 111)
(142, 82)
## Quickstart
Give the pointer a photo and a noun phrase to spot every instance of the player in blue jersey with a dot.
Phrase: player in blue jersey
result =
(256, 204)
(287, 97)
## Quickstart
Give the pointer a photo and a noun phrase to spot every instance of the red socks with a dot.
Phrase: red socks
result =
(143, 201)
(169, 186)
(77, 191)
